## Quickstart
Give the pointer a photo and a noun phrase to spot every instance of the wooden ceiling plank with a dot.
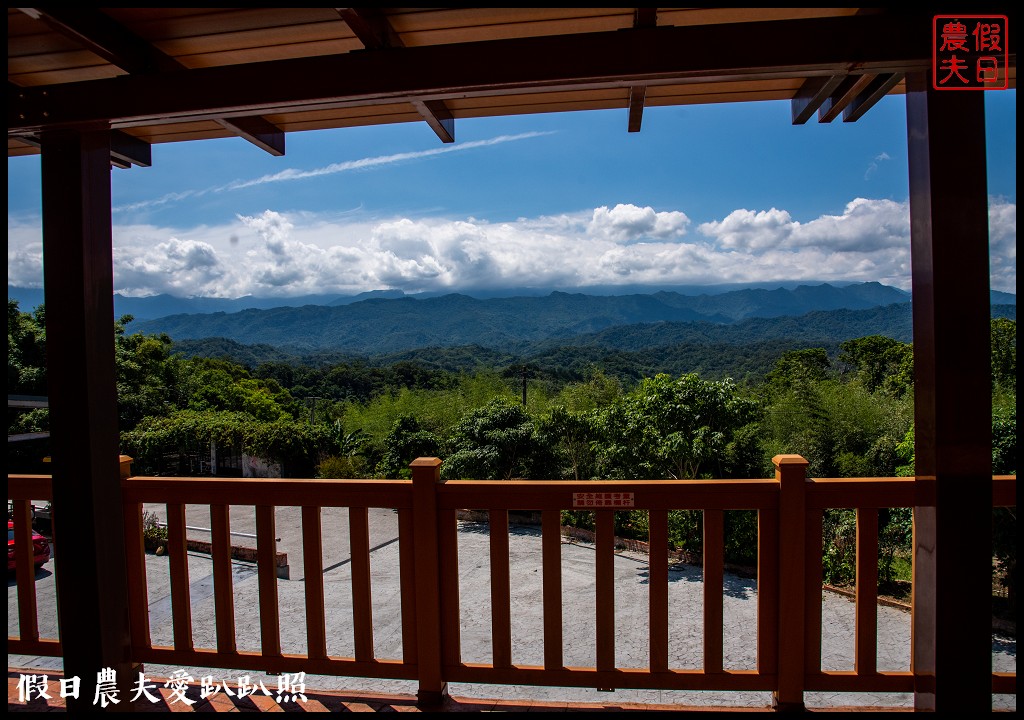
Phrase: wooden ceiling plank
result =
(811, 95)
(614, 59)
(849, 88)
(879, 88)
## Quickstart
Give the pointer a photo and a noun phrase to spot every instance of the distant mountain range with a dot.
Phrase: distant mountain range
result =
(382, 325)
(390, 324)
(748, 348)
(729, 301)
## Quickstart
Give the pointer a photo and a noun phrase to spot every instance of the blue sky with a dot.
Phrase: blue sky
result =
(703, 195)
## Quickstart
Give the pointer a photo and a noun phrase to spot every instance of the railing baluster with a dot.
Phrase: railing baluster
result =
(867, 591)
(313, 572)
(362, 604)
(605, 571)
(657, 585)
(451, 628)
(407, 581)
(135, 560)
(181, 602)
(223, 586)
(501, 613)
(551, 560)
(266, 566)
(767, 592)
(25, 571)
(812, 600)
(713, 589)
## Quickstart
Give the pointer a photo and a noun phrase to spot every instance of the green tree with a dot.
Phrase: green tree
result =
(406, 442)
(497, 441)
(799, 367)
(571, 436)
(671, 427)
(26, 350)
(147, 375)
(1004, 353)
(880, 363)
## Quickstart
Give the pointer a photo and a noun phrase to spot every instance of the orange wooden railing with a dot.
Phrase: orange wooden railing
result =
(789, 577)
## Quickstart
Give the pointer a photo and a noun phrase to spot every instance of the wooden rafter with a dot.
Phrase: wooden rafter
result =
(642, 18)
(811, 95)
(637, 93)
(375, 32)
(372, 27)
(119, 46)
(843, 95)
(875, 91)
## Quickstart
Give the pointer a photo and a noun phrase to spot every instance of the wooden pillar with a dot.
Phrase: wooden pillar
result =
(92, 590)
(952, 651)
(433, 689)
(791, 474)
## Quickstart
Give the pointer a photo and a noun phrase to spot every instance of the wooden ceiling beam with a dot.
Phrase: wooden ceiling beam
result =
(113, 42)
(375, 32)
(105, 37)
(637, 93)
(653, 56)
(811, 95)
(642, 18)
(372, 27)
(645, 17)
(843, 95)
(438, 117)
(874, 92)
(127, 150)
(260, 132)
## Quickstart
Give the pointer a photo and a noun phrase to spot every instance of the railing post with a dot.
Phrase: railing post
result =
(791, 471)
(426, 474)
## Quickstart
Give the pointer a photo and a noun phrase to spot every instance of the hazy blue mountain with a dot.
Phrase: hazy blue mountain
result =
(747, 349)
(713, 302)
(380, 325)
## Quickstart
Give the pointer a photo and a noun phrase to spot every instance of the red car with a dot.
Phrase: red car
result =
(40, 546)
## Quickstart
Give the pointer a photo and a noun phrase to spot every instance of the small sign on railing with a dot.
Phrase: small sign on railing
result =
(602, 499)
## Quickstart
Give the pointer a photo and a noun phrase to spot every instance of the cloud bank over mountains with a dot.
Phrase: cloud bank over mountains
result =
(284, 254)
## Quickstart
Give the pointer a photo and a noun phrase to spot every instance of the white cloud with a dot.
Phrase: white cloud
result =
(873, 165)
(626, 223)
(277, 254)
(1002, 223)
(749, 230)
